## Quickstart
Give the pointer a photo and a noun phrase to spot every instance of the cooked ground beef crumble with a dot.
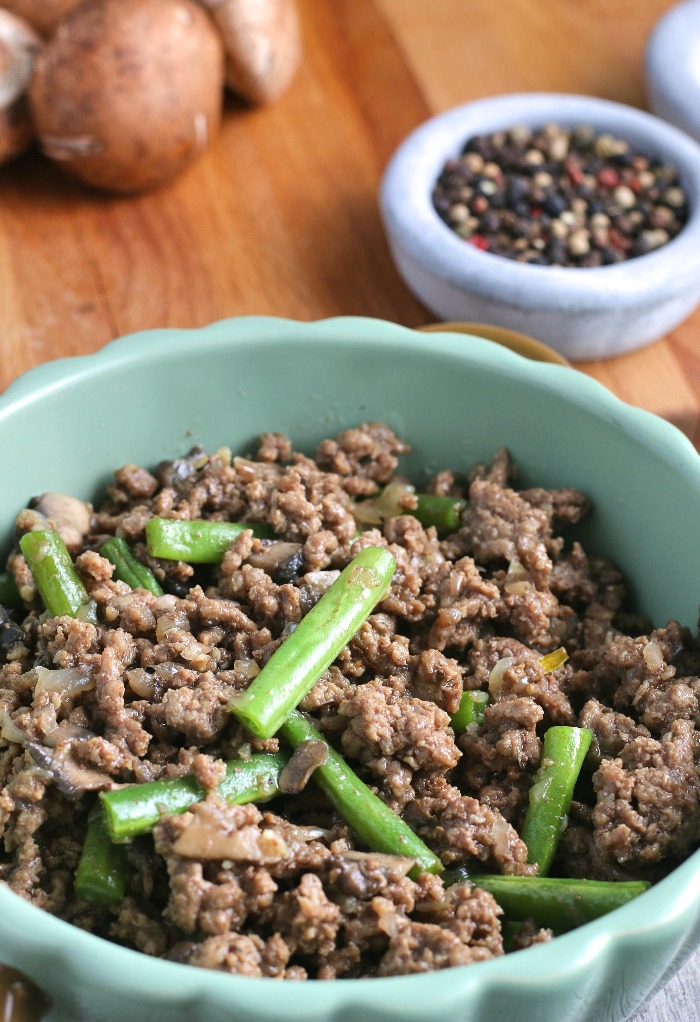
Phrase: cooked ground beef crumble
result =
(156, 675)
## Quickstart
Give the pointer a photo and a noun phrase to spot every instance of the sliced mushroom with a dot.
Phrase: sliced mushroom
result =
(181, 952)
(213, 835)
(66, 732)
(175, 474)
(365, 874)
(69, 516)
(71, 778)
(304, 760)
(281, 560)
(10, 632)
(391, 863)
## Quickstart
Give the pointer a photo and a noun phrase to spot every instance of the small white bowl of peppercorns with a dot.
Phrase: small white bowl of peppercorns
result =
(573, 219)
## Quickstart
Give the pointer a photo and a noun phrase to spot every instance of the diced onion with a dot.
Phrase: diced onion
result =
(653, 656)
(248, 668)
(502, 835)
(65, 682)
(176, 620)
(395, 499)
(223, 454)
(141, 683)
(497, 672)
(550, 661)
(9, 730)
(168, 671)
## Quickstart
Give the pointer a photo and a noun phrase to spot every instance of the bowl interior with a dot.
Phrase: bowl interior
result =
(152, 396)
(155, 395)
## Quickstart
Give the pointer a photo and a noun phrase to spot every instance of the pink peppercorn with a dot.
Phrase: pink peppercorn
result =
(608, 177)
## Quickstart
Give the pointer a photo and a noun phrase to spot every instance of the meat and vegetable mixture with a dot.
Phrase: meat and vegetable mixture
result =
(292, 717)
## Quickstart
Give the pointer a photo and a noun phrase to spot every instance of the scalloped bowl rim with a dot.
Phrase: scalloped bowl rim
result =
(414, 167)
(155, 980)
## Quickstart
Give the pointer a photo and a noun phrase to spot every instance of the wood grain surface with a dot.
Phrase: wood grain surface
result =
(280, 216)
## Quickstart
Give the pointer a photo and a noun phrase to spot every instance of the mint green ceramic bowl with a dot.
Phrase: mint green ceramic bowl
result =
(66, 425)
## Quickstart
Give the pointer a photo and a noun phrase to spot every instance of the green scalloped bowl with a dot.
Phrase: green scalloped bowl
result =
(67, 424)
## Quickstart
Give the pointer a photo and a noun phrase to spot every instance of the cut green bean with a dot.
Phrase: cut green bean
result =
(311, 648)
(9, 593)
(137, 808)
(375, 824)
(102, 870)
(563, 753)
(198, 542)
(55, 576)
(557, 902)
(128, 568)
(445, 513)
(471, 711)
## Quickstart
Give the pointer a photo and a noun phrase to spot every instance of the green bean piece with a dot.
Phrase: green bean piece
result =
(102, 870)
(510, 931)
(375, 824)
(55, 576)
(298, 663)
(198, 542)
(128, 568)
(563, 753)
(558, 902)
(9, 593)
(445, 513)
(470, 711)
(137, 808)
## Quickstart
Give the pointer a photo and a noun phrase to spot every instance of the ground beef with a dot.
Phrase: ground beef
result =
(612, 731)
(381, 722)
(461, 828)
(648, 798)
(502, 755)
(528, 934)
(286, 889)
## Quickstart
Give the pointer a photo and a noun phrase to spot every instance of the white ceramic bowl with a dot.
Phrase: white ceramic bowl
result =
(672, 62)
(584, 313)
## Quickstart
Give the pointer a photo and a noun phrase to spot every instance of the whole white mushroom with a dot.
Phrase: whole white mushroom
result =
(19, 46)
(262, 39)
(127, 93)
(42, 15)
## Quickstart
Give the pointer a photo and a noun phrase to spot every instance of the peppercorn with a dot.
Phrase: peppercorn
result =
(560, 196)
